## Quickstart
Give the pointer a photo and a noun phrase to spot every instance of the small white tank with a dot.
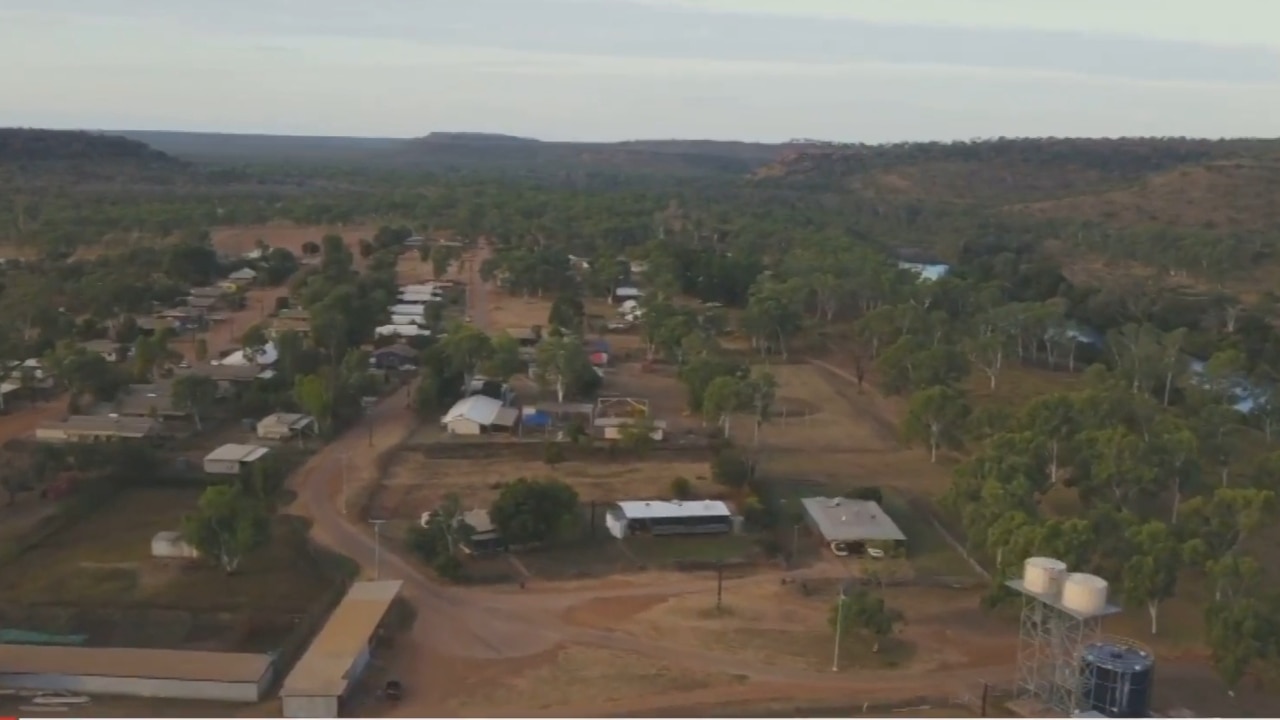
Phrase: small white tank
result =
(1084, 593)
(1044, 576)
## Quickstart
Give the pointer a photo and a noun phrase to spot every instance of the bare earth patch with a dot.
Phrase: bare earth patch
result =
(585, 676)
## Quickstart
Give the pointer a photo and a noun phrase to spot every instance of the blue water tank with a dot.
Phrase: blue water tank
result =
(1116, 679)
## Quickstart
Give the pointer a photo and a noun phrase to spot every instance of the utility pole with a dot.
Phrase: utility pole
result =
(719, 583)
(835, 657)
(343, 457)
(377, 548)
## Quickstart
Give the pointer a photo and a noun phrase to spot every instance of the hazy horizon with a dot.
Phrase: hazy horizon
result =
(611, 70)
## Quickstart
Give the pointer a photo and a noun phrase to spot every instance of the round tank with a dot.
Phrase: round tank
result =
(1116, 679)
(1084, 593)
(1043, 576)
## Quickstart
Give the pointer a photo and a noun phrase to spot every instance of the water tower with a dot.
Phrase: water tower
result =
(1061, 615)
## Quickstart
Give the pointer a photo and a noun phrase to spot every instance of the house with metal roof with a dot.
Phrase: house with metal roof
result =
(97, 428)
(479, 414)
(850, 526)
(232, 458)
(668, 517)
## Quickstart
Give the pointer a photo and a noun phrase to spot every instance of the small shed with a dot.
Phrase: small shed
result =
(231, 458)
(283, 426)
(627, 293)
(244, 275)
(110, 350)
(169, 544)
(851, 526)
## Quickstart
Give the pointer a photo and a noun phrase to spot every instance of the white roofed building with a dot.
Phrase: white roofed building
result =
(669, 517)
(231, 458)
(479, 414)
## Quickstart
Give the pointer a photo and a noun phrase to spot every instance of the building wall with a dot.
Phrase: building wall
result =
(463, 426)
(616, 524)
(274, 432)
(140, 687)
(222, 467)
(50, 435)
(323, 706)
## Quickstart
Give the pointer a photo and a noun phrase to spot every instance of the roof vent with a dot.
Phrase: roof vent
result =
(835, 502)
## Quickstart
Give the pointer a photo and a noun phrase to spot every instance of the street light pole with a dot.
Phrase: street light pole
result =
(343, 457)
(377, 548)
(835, 656)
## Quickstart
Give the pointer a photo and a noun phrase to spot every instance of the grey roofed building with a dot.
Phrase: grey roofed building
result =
(146, 400)
(243, 274)
(849, 520)
(207, 292)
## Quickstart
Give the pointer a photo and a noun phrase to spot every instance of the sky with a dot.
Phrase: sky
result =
(600, 70)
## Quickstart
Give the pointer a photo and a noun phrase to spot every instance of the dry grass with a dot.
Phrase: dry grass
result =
(415, 484)
(511, 311)
(768, 624)
(587, 676)
(105, 560)
(852, 439)
(239, 240)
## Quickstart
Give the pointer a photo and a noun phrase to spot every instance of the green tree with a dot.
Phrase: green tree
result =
(1151, 574)
(465, 348)
(725, 396)
(535, 511)
(315, 396)
(763, 389)
(567, 312)
(201, 349)
(195, 394)
(563, 364)
(227, 526)
(504, 360)
(861, 612)
(935, 416)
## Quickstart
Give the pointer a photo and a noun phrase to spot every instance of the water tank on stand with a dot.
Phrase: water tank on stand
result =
(1116, 679)
(1044, 576)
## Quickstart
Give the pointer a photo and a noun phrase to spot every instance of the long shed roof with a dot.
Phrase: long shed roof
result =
(647, 509)
(848, 520)
(322, 671)
(133, 663)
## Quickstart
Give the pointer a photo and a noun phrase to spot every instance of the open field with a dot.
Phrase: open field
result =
(775, 625)
(579, 676)
(236, 241)
(98, 574)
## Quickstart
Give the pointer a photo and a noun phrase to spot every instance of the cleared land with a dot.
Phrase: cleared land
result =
(96, 576)
(240, 240)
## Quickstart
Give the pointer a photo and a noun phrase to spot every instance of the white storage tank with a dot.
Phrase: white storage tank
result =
(169, 544)
(1044, 576)
(1084, 594)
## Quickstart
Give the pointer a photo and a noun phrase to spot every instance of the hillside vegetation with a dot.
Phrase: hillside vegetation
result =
(1193, 210)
